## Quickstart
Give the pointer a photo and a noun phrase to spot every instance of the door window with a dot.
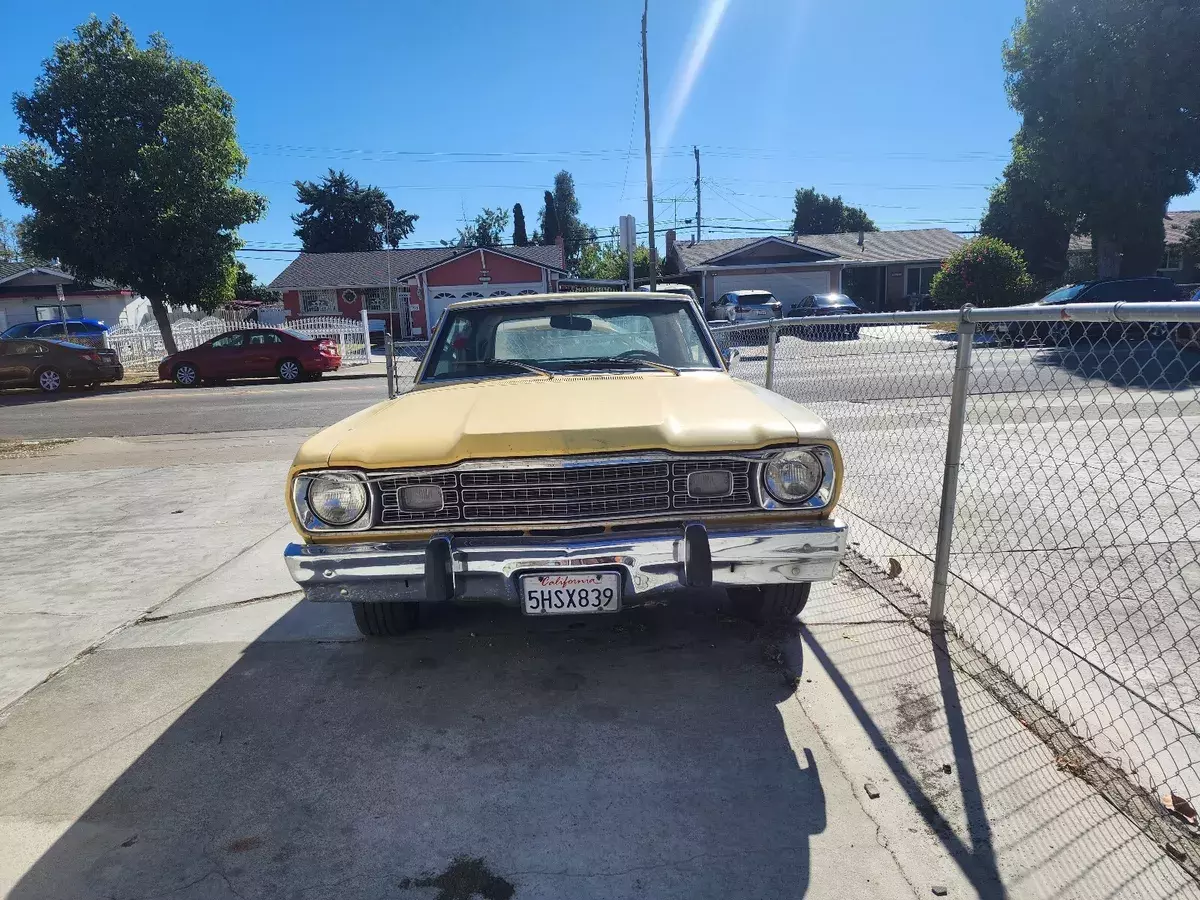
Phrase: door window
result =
(25, 348)
(265, 337)
(919, 279)
(229, 341)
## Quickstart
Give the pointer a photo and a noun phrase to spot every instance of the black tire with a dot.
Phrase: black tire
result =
(385, 619)
(186, 375)
(290, 371)
(771, 603)
(51, 380)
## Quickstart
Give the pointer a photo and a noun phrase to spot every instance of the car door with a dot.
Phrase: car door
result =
(18, 361)
(225, 356)
(262, 352)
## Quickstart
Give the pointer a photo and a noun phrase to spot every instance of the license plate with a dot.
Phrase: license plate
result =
(559, 594)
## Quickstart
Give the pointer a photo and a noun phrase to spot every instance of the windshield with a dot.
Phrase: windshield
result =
(755, 298)
(1063, 294)
(833, 300)
(541, 339)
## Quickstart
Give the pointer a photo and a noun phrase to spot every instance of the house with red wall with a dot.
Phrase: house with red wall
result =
(409, 288)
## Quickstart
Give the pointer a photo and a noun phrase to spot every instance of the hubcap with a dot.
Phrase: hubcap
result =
(50, 381)
(186, 375)
(289, 371)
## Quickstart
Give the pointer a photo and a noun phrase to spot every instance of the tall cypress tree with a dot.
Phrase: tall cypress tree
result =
(520, 238)
(549, 221)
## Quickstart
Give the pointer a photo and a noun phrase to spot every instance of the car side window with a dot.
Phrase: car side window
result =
(229, 341)
(79, 328)
(265, 337)
(25, 348)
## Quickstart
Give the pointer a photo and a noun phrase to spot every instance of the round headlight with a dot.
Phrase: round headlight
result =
(794, 475)
(337, 499)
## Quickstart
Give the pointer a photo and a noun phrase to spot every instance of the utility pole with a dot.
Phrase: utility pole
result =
(696, 150)
(649, 164)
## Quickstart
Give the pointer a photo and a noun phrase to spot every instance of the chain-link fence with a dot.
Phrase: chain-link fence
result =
(1071, 526)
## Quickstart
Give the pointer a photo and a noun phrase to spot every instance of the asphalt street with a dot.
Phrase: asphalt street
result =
(886, 363)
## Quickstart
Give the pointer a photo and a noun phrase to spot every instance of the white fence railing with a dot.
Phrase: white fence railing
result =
(142, 348)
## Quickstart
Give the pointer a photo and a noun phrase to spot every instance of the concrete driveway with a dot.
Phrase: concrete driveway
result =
(187, 727)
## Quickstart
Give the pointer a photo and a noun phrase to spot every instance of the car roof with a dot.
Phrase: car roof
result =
(516, 299)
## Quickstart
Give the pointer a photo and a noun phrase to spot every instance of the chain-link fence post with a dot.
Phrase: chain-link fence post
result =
(772, 337)
(390, 351)
(954, 434)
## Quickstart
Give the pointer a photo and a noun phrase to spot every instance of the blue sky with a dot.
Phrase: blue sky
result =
(456, 105)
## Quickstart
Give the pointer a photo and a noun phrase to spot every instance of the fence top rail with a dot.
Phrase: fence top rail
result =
(1178, 311)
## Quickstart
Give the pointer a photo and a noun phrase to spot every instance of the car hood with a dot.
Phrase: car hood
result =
(518, 417)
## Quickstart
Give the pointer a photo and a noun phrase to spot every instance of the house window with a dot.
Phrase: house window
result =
(525, 292)
(472, 295)
(50, 313)
(499, 294)
(1172, 260)
(376, 300)
(312, 302)
(918, 279)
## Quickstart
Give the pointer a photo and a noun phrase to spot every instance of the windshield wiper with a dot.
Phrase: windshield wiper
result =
(626, 362)
(514, 363)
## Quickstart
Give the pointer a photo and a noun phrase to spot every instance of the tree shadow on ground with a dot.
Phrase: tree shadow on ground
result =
(639, 754)
(1145, 364)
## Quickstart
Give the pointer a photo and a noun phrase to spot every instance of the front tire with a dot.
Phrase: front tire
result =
(50, 380)
(385, 619)
(185, 375)
(771, 603)
(290, 371)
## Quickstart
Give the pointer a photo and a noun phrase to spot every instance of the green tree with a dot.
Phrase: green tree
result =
(130, 166)
(10, 250)
(1109, 95)
(520, 238)
(342, 216)
(607, 262)
(817, 213)
(1020, 214)
(246, 287)
(1191, 242)
(983, 272)
(486, 231)
(548, 220)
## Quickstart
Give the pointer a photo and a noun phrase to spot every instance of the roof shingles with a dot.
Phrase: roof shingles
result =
(879, 247)
(370, 268)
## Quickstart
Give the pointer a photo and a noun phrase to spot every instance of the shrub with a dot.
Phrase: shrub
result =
(983, 272)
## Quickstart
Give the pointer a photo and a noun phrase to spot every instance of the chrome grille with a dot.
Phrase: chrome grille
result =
(390, 512)
(738, 468)
(580, 491)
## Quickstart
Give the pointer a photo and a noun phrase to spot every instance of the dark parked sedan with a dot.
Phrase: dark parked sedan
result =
(824, 305)
(52, 365)
(1149, 289)
(254, 353)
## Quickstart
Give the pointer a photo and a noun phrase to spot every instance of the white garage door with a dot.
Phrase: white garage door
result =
(788, 287)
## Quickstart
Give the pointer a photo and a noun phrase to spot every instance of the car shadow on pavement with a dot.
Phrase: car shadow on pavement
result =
(1158, 366)
(610, 756)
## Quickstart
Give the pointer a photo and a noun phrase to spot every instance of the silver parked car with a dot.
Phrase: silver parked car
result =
(739, 307)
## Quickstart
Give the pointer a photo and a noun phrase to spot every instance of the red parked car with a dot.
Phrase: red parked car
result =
(254, 353)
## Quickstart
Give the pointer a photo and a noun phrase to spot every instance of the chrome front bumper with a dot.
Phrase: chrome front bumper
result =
(478, 567)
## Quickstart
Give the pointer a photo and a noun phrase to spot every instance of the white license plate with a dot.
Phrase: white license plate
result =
(562, 594)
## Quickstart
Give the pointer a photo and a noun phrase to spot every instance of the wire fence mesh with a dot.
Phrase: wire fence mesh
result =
(1073, 562)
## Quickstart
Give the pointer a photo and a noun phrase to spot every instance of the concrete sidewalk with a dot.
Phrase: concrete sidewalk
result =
(240, 742)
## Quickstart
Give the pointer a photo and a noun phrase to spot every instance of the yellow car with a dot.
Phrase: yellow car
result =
(567, 454)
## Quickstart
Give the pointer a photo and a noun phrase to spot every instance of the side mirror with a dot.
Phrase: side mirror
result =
(731, 355)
